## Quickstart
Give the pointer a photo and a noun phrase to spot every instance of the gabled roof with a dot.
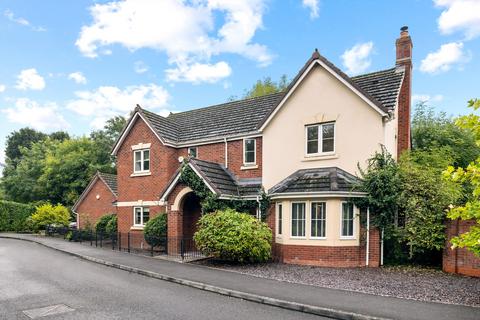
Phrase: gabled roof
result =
(110, 180)
(219, 180)
(316, 180)
(248, 116)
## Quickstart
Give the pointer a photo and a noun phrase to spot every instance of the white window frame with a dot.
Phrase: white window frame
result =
(310, 219)
(353, 222)
(142, 223)
(191, 148)
(245, 163)
(320, 139)
(305, 220)
(142, 155)
(280, 219)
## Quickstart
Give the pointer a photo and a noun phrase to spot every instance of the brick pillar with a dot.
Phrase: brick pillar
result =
(404, 47)
(175, 231)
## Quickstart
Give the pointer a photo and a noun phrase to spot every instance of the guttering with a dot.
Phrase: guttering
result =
(320, 194)
(227, 197)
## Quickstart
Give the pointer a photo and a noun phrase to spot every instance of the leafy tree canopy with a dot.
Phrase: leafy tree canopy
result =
(17, 140)
(267, 86)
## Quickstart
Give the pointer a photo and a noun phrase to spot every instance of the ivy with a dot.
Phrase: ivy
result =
(210, 202)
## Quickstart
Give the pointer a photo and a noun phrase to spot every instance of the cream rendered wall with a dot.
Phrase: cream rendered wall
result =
(332, 224)
(391, 129)
(359, 129)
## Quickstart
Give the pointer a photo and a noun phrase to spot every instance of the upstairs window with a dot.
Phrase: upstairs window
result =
(249, 156)
(141, 215)
(192, 152)
(141, 161)
(320, 138)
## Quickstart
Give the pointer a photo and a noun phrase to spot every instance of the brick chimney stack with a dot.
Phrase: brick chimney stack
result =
(404, 47)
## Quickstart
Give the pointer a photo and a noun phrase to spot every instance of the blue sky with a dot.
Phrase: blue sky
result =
(70, 65)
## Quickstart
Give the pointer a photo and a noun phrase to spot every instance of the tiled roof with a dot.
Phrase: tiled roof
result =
(223, 181)
(247, 116)
(110, 180)
(383, 85)
(330, 179)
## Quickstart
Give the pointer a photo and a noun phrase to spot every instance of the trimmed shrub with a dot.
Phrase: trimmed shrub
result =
(14, 216)
(112, 224)
(155, 231)
(46, 215)
(233, 236)
(101, 225)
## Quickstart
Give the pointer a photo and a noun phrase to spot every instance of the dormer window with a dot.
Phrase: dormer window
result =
(320, 138)
(141, 161)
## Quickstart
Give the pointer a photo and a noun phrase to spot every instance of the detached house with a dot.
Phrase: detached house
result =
(302, 146)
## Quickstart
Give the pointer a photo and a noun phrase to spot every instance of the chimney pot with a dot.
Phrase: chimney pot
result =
(404, 28)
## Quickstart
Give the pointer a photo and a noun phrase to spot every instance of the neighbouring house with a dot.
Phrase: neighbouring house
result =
(301, 146)
(97, 199)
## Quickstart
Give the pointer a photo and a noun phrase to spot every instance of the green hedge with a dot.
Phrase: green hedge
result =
(14, 215)
(155, 231)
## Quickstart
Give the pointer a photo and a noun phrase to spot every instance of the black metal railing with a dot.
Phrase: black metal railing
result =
(131, 242)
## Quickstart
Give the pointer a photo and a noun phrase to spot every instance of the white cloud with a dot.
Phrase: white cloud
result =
(188, 32)
(198, 72)
(140, 67)
(443, 59)
(459, 15)
(30, 79)
(416, 98)
(30, 113)
(78, 77)
(22, 21)
(357, 59)
(313, 6)
(2, 88)
(108, 101)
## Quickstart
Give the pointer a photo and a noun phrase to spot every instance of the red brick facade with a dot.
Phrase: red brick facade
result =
(90, 209)
(459, 260)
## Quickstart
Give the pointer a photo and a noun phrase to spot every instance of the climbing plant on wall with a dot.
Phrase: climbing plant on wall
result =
(211, 202)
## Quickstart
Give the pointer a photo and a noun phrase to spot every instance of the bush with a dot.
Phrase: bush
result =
(111, 227)
(101, 225)
(14, 216)
(47, 214)
(155, 231)
(230, 235)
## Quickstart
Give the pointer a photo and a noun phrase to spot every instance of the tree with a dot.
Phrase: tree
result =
(424, 199)
(17, 140)
(59, 136)
(267, 86)
(106, 138)
(432, 130)
(470, 175)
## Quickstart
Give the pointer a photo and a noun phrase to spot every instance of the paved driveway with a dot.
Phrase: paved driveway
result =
(33, 276)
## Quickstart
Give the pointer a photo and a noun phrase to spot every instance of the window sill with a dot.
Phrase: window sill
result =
(136, 228)
(347, 238)
(249, 167)
(298, 238)
(319, 157)
(141, 174)
(318, 238)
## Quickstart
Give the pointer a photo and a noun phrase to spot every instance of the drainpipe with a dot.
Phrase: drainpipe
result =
(226, 152)
(381, 250)
(367, 256)
(259, 210)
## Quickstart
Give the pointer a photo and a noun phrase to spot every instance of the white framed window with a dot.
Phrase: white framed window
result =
(348, 217)
(298, 219)
(279, 218)
(141, 161)
(141, 215)
(320, 138)
(318, 219)
(249, 151)
(193, 152)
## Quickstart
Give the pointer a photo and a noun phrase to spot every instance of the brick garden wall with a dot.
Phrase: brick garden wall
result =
(459, 260)
(91, 208)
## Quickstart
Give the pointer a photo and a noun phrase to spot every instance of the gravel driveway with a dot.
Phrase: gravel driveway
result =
(402, 282)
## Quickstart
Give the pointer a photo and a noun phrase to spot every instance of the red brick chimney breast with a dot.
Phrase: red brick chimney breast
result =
(404, 47)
